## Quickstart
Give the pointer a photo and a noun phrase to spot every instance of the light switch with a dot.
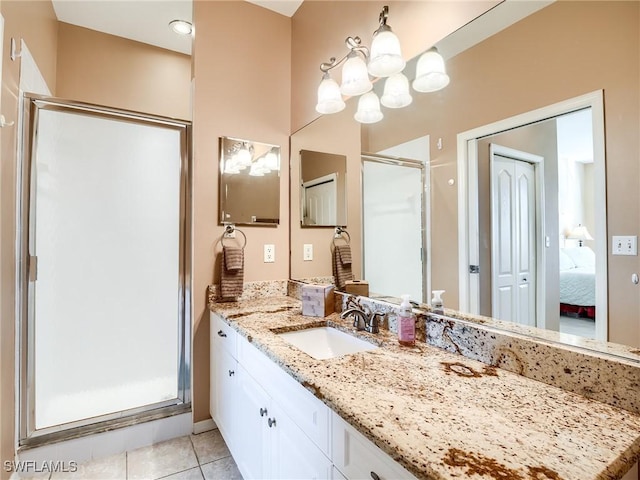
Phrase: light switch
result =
(625, 245)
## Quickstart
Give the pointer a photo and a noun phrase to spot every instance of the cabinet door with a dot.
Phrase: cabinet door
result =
(293, 455)
(253, 452)
(226, 397)
(358, 458)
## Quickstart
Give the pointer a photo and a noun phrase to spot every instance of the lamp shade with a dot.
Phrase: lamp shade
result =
(329, 96)
(580, 233)
(396, 92)
(355, 77)
(386, 57)
(368, 109)
(430, 72)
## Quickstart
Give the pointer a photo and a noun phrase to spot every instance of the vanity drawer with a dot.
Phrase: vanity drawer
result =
(223, 336)
(358, 458)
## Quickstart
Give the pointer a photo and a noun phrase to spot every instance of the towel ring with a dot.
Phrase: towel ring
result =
(338, 234)
(228, 230)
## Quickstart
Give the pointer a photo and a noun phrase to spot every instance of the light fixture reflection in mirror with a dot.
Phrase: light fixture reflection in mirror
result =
(249, 182)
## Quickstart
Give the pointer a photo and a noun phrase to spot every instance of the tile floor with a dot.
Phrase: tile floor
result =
(196, 457)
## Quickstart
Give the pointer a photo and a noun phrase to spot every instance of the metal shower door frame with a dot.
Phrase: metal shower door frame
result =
(27, 269)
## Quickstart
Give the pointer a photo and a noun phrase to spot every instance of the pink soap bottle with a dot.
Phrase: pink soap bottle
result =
(406, 323)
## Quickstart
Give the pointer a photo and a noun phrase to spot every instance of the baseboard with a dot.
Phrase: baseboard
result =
(204, 426)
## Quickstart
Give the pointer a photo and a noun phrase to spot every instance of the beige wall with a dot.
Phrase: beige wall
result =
(242, 68)
(107, 70)
(35, 22)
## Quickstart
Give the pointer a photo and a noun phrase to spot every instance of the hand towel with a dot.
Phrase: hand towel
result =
(232, 277)
(341, 261)
(233, 258)
(344, 251)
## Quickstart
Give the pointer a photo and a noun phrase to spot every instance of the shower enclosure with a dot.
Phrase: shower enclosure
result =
(104, 269)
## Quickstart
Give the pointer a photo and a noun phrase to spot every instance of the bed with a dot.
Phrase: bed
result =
(578, 282)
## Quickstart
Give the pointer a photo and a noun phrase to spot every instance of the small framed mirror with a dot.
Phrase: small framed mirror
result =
(323, 199)
(249, 182)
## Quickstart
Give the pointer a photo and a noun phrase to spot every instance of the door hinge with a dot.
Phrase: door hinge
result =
(474, 268)
(33, 268)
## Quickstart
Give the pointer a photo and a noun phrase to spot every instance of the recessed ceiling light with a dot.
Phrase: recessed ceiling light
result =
(181, 27)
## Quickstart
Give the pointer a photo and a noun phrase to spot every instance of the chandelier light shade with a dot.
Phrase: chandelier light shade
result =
(386, 56)
(355, 77)
(396, 92)
(431, 75)
(368, 109)
(271, 161)
(329, 96)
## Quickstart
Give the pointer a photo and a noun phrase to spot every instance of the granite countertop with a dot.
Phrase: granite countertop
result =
(442, 415)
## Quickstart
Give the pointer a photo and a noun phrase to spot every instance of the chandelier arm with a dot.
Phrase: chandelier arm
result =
(354, 46)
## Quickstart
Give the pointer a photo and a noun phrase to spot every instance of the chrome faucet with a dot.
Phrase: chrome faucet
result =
(362, 321)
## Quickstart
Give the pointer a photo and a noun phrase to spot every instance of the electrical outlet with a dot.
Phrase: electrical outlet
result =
(307, 252)
(625, 245)
(269, 253)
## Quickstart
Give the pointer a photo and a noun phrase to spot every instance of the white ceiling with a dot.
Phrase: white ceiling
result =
(145, 21)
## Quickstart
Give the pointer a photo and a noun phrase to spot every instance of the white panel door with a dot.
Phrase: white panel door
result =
(514, 249)
(321, 197)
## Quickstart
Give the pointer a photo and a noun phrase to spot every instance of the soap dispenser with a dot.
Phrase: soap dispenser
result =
(406, 323)
(436, 301)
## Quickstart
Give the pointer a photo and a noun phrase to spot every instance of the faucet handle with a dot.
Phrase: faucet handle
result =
(373, 324)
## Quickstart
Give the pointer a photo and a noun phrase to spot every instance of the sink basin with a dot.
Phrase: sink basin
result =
(326, 342)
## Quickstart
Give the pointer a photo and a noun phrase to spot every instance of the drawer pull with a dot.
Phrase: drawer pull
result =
(375, 476)
(221, 333)
(263, 412)
(231, 373)
(271, 422)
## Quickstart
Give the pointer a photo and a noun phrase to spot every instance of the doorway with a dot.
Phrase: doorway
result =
(104, 271)
(471, 241)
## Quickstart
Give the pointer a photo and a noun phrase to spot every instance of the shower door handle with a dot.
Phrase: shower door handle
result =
(33, 268)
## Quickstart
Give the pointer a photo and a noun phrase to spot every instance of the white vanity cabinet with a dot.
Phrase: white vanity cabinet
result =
(256, 418)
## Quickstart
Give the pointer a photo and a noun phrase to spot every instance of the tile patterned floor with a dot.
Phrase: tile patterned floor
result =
(196, 457)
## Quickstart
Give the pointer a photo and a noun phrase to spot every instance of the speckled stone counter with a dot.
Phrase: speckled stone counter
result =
(442, 415)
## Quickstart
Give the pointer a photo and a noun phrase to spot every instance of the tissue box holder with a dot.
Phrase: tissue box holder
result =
(317, 300)
(357, 287)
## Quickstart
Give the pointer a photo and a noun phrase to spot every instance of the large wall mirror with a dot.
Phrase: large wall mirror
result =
(249, 182)
(518, 72)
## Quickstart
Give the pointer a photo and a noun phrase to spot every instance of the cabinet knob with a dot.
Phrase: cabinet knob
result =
(231, 373)
(375, 476)
(271, 422)
(263, 412)
(221, 333)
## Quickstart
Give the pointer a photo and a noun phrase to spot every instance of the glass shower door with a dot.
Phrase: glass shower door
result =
(106, 310)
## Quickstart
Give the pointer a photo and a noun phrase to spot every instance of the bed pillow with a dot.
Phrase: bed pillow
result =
(565, 261)
(581, 256)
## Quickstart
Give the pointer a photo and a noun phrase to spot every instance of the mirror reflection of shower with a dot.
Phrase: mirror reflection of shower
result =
(395, 206)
